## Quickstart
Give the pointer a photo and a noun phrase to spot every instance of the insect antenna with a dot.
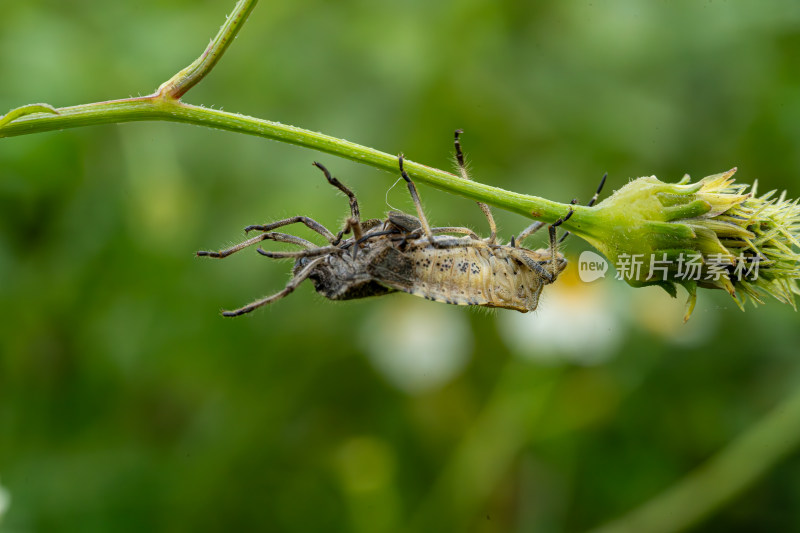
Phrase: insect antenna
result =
(562, 219)
(462, 169)
(591, 202)
(599, 189)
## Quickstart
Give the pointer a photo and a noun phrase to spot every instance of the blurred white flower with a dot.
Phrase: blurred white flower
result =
(5, 501)
(415, 344)
(576, 322)
(659, 314)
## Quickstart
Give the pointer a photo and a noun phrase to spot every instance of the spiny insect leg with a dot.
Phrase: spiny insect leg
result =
(309, 222)
(281, 237)
(462, 169)
(366, 225)
(290, 287)
(291, 239)
(313, 252)
(554, 242)
(415, 197)
(354, 222)
(460, 242)
(533, 265)
(455, 229)
(373, 235)
(527, 232)
(354, 211)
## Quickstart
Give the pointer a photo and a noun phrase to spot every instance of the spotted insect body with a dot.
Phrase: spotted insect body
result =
(477, 274)
(403, 253)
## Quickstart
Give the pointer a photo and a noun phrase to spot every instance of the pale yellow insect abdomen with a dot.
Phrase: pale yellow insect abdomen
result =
(473, 276)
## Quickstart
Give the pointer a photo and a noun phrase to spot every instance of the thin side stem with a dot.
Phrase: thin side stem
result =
(187, 78)
(165, 104)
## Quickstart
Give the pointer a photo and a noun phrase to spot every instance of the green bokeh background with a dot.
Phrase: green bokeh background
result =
(128, 404)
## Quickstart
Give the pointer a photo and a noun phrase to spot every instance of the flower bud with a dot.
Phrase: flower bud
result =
(709, 234)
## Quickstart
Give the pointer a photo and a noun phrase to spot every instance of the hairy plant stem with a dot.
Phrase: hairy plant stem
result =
(165, 104)
(187, 78)
(158, 107)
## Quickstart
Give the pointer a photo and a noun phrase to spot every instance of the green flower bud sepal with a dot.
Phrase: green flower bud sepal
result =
(708, 234)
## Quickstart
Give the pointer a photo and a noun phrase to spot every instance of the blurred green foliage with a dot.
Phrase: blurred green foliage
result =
(127, 403)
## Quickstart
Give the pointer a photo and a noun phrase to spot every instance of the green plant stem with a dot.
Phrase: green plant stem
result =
(721, 478)
(165, 104)
(157, 107)
(187, 78)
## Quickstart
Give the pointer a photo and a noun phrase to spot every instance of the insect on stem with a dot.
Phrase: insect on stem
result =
(404, 253)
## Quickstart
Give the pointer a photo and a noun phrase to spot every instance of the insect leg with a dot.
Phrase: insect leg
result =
(354, 222)
(322, 250)
(290, 287)
(462, 169)
(452, 229)
(415, 197)
(536, 226)
(354, 211)
(374, 235)
(365, 225)
(527, 232)
(282, 237)
(533, 265)
(460, 242)
(309, 222)
(291, 239)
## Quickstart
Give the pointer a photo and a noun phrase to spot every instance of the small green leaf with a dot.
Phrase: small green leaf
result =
(26, 110)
